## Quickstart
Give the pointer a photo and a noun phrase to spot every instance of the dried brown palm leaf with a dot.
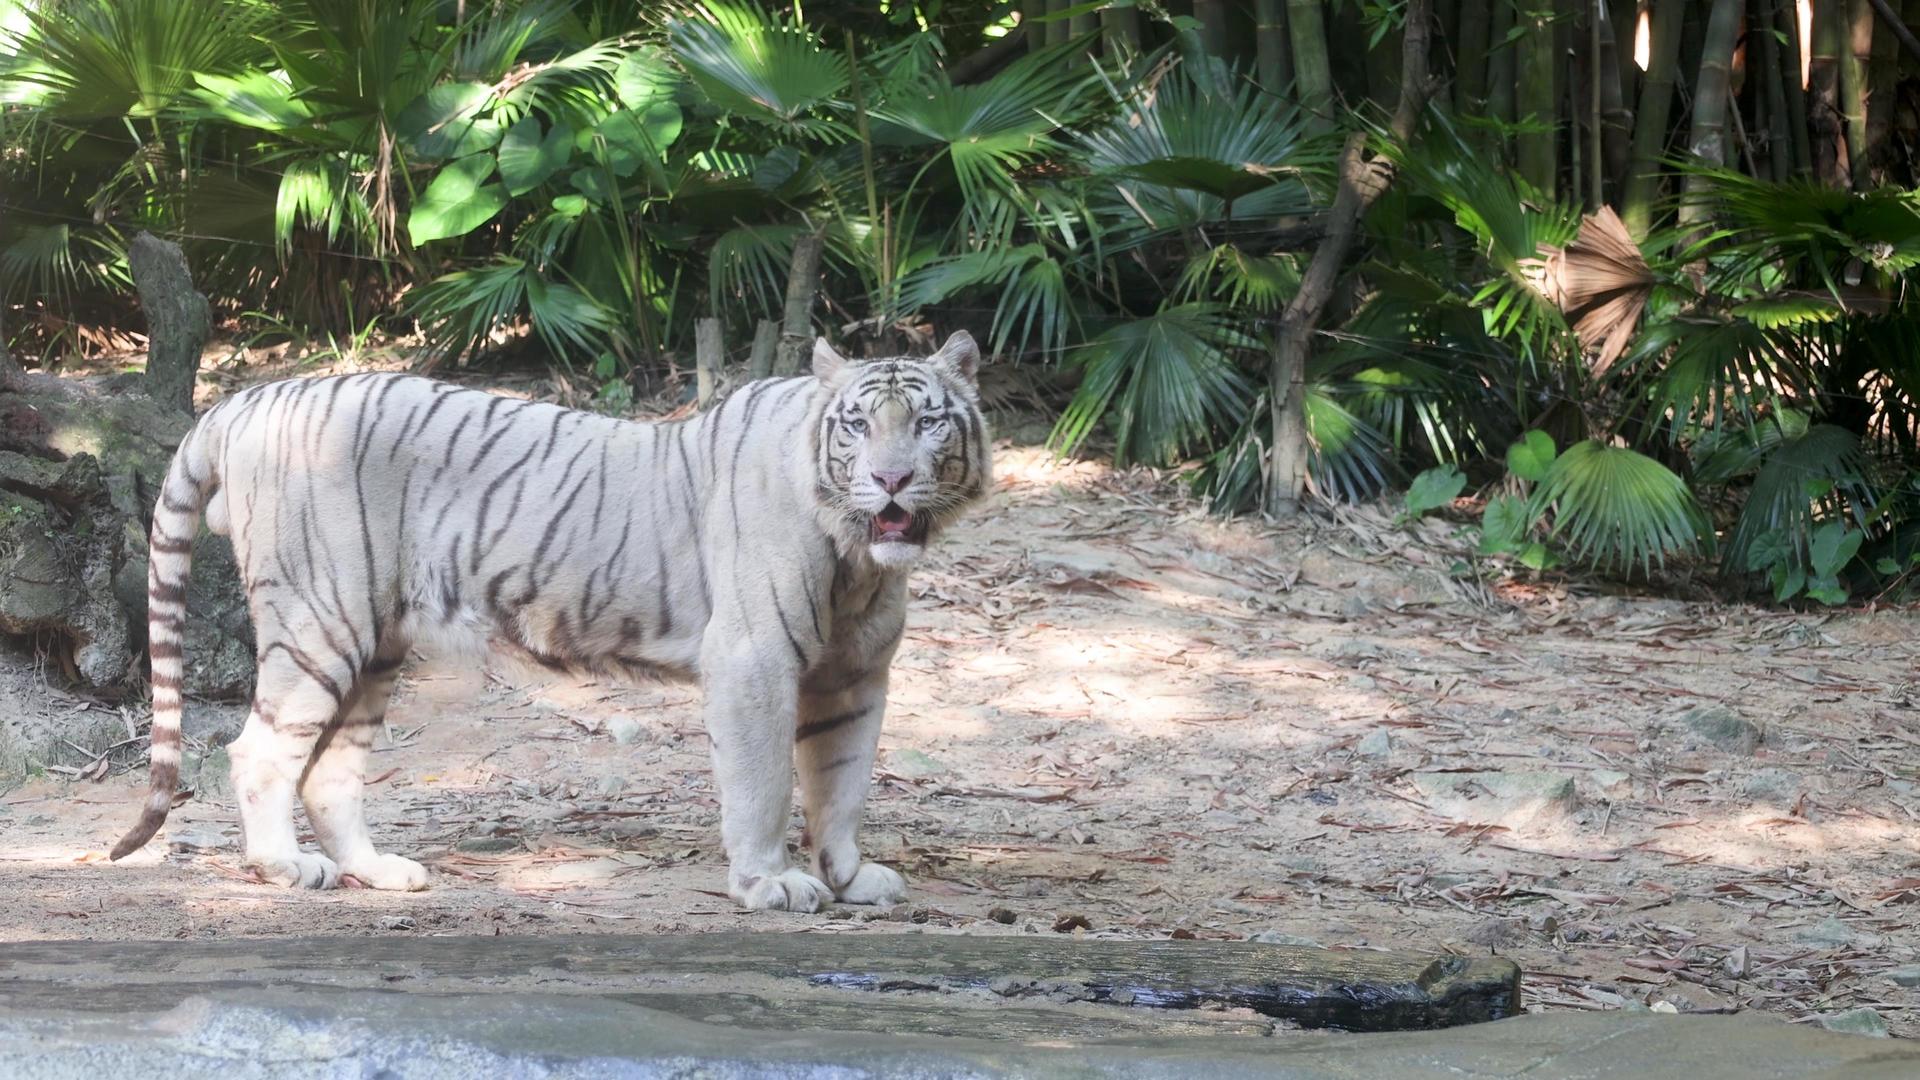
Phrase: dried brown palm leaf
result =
(1600, 280)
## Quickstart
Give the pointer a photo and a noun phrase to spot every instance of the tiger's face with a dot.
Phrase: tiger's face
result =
(903, 449)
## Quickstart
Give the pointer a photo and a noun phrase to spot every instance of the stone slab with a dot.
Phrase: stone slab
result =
(288, 1033)
(868, 981)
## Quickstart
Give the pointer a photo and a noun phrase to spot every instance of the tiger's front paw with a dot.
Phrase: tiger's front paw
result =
(791, 890)
(299, 870)
(389, 872)
(874, 884)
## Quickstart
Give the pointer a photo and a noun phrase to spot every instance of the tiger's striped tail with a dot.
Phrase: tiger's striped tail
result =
(176, 519)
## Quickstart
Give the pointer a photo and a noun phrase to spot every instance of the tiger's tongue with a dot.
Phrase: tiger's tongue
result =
(891, 523)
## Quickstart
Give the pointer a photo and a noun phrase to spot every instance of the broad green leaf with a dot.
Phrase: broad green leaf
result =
(570, 205)
(1885, 565)
(634, 138)
(1788, 580)
(592, 182)
(1834, 546)
(252, 99)
(642, 80)
(445, 122)
(1530, 458)
(1535, 556)
(1504, 525)
(458, 201)
(1434, 488)
(1827, 590)
(1770, 548)
(527, 157)
(1616, 506)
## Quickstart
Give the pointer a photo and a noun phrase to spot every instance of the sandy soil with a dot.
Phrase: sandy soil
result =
(1115, 715)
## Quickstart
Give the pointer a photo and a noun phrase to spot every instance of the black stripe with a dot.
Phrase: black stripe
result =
(820, 727)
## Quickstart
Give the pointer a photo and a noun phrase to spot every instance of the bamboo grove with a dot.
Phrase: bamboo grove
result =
(1617, 282)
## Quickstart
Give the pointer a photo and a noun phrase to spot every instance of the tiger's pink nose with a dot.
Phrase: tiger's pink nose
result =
(892, 481)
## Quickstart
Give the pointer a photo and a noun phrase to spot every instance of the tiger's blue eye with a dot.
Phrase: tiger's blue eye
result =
(928, 423)
(856, 425)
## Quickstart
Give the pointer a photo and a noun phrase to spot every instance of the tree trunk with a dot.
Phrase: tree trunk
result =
(1650, 122)
(709, 356)
(1273, 60)
(1711, 99)
(1313, 76)
(1470, 62)
(1534, 97)
(1854, 63)
(178, 319)
(796, 324)
(1823, 92)
(1361, 182)
(766, 341)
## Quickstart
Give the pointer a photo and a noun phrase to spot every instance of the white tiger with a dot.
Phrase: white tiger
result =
(761, 547)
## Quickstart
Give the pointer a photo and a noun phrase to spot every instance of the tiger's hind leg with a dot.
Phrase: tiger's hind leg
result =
(333, 786)
(296, 695)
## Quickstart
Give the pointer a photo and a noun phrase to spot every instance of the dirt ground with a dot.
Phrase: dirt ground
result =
(1114, 715)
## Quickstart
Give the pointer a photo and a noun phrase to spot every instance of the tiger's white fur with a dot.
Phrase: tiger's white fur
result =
(761, 547)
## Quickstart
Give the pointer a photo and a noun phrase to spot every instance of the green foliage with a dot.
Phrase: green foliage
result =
(1434, 488)
(1617, 507)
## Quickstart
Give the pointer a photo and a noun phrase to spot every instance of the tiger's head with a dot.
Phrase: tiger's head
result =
(903, 449)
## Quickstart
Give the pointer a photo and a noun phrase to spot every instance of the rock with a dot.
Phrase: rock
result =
(1376, 744)
(1002, 915)
(1510, 797)
(195, 840)
(630, 829)
(913, 764)
(209, 774)
(1828, 933)
(624, 729)
(1067, 924)
(1861, 1021)
(1721, 728)
(1777, 786)
(1276, 937)
(488, 845)
(1907, 975)
(60, 546)
(1612, 782)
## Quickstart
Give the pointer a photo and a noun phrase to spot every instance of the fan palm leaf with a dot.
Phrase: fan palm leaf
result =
(1615, 507)
(771, 70)
(1166, 379)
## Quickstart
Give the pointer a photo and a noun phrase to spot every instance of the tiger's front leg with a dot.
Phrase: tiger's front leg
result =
(752, 691)
(836, 738)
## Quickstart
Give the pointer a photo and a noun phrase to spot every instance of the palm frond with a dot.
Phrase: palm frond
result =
(1819, 474)
(102, 58)
(758, 66)
(1165, 382)
(1616, 507)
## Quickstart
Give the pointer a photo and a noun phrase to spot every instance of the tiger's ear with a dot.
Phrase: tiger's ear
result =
(961, 355)
(828, 365)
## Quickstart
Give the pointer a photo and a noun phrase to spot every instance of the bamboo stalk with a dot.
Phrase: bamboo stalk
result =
(1616, 120)
(1883, 74)
(1712, 92)
(1273, 61)
(1596, 59)
(1538, 107)
(1501, 64)
(1120, 32)
(1650, 122)
(766, 339)
(1790, 56)
(1470, 60)
(1032, 30)
(1774, 94)
(1213, 26)
(803, 285)
(1313, 76)
(1823, 93)
(1057, 29)
(1854, 62)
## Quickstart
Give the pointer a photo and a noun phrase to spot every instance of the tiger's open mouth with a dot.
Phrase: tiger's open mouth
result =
(897, 525)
